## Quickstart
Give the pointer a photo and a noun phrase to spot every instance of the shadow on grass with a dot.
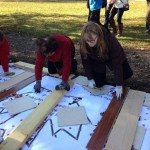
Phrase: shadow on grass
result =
(38, 24)
(135, 31)
(42, 25)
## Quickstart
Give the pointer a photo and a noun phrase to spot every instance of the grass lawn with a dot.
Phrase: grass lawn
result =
(44, 18)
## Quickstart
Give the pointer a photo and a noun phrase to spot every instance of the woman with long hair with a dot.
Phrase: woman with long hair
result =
(99, 48)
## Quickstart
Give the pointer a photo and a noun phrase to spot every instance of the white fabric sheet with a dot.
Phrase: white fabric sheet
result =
(51, 137)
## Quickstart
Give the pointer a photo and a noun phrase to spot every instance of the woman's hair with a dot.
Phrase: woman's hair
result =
(89, 29)
(46, 45)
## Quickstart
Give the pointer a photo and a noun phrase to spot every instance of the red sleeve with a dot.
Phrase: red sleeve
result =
(4, 54)
(40, 59)
(67, 59)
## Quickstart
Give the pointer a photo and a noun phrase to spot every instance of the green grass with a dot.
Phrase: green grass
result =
(45, 18)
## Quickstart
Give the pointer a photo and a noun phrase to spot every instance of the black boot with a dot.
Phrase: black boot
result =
(120, 29)
(147, 28)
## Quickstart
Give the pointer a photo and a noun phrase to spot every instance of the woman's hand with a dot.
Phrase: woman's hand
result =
(37, 86)
(91, 84)
(119, 91)
(63, 85)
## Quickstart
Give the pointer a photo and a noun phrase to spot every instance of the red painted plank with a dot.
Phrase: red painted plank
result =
(7, 93)
(101, 133)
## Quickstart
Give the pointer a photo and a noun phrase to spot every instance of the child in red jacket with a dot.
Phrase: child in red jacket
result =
(4, 54)
(59, 52)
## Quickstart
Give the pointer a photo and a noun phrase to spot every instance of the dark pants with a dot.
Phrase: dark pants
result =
(55, 67)
(119, 12)
(107, 12)
(94, 16)
(99, 78)
(148, 18)
(127, 71)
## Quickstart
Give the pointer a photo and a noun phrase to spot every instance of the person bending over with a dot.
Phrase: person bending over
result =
(59, 52)
(99, 48)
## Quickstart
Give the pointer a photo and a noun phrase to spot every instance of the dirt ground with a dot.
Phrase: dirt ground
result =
(23, 49)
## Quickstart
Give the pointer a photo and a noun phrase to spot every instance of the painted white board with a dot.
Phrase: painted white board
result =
(69, 116)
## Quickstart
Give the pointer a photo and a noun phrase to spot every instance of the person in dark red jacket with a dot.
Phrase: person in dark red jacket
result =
(99, 48)
(59, 52)
(4, 54)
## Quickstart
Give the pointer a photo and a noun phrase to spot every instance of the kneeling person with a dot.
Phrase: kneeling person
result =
(59, 52)
(99, 48)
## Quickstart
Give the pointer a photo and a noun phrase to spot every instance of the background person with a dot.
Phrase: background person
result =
(107, 11)
(94, 7)
(118, 9)
(148, 17)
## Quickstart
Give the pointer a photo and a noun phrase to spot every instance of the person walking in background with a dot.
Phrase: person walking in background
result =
(148, 17)
(94, 7)
(59, 51)
(107, 11)
(4, 54)
(99, 48)
(118, 8)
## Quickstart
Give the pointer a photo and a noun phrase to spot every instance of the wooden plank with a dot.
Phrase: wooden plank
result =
(7, 93)
(101, 133)
(27, 66)
(147, 100)
(23, 79)
(30, 67)
(122, 135)
(18, 138)
(81, 80)
(139, 136)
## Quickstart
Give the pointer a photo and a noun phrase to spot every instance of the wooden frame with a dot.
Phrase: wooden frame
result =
(24, 77)
(18, 138)
(27, 66)
(30, 67)
(16, 83)
(122, 135)
(7, 93)
(101, 133)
